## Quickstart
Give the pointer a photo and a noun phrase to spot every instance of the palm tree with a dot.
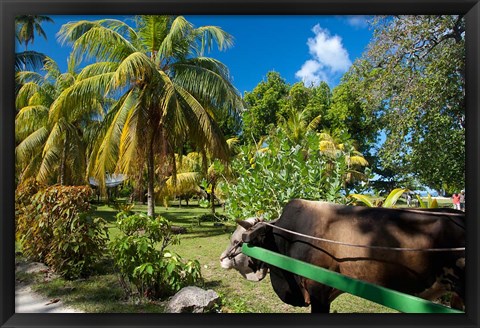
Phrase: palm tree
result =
(295, 124)
(27, 25)
(167, 90)
(333, 144)
(186, 179)
(49, 146)
(25, 28)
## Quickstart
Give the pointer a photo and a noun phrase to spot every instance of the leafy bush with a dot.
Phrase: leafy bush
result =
(32, 228)
(57, 228)
(213, 218)
(146, 267)
(270, 177)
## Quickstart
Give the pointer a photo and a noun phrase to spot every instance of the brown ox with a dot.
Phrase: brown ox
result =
(425, 273)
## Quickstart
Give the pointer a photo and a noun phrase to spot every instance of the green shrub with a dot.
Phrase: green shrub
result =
(267, 179)
(146, 267)
(58, 229)
(32, 228)
(213, 218)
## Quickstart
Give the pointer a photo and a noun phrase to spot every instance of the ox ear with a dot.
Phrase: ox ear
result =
(244, 224)
(256, 235)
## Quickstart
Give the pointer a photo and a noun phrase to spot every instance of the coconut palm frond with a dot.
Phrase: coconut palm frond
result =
(137, 68)
(207, 85)
(28, 60)
(23, 77)
(202, 127)
(32, 167)
(130, 137)
(51, 68)
(117, 26)
(95, 69)
(50, 163)
(176, 43)
(101, 43)
(25, 94)
(72, 31)
(184, 182)
(327, 146)
(80, 95)
(31, 145)
(152, 30)
(207, 35)
(108, 151)
(30, 119)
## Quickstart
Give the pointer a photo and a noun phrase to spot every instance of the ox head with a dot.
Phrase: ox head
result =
(250, 268)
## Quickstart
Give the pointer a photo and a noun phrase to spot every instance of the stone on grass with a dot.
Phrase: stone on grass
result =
(193, 300)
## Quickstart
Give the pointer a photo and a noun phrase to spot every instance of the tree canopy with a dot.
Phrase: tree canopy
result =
(412, 78)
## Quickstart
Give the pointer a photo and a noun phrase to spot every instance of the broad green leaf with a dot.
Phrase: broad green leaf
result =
(421, 202)
(367, 200)
(392, 198)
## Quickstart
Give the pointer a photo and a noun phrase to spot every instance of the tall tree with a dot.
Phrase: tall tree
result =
(167, 90)
(263, 104)
(412, 79)
(349, 114)
(26, 26)
(50, 146)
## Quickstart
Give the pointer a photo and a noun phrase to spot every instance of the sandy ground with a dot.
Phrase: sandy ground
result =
(27, 301)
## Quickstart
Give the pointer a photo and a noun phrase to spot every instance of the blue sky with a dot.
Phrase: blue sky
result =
(308, 48)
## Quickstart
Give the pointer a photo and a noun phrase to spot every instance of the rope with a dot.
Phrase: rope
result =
(367, 246)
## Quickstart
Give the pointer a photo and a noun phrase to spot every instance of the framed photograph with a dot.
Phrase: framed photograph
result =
(210, 117)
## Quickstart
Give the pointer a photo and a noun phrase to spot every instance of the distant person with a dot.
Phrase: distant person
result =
(409, 200)
(462, 200)
(456, 201)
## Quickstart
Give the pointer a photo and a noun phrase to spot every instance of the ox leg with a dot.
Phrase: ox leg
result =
(320, 306)
(456, 302)
(319, 298)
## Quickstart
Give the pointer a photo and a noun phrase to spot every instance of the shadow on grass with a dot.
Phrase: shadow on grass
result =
(213, 284)
(204, 233)
(99, 294)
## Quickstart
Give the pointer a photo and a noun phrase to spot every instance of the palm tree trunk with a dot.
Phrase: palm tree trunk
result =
(150, 181)
(212, 197)
(63, 163)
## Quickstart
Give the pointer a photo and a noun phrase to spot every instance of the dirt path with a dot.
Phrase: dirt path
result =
(27, 301)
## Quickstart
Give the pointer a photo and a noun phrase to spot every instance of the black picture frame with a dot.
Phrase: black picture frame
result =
(11, 8)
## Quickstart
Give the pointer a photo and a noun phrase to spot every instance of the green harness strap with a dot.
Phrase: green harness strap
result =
(390, 298)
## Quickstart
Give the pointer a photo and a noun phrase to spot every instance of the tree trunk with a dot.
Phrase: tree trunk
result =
(63, 161)
(150, 181)
(212, 197)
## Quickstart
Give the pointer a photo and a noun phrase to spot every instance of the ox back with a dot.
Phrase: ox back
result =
(428, 274)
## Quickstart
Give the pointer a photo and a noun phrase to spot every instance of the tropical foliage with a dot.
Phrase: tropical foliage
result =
(146, 267)
(388, 201)
(167, 91)
(412, 81)
(269, 176)
(143, 98)
(52, 142)
(55, 226)
(25, 28)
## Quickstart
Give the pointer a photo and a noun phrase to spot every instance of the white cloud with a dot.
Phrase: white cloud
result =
(311, 73)
(329, 58)
(358, 21)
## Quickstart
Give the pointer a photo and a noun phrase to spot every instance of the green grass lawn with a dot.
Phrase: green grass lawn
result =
(204, 242)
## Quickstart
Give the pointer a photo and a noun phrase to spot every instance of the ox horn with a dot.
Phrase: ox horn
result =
(244, 224)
